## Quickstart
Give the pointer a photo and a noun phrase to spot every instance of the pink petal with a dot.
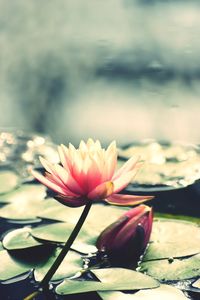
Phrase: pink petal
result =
(65, 157)
(110, 162)
(101, 191)
(62, 156)
(61, 177)
(121, 182)
(47, 182)
(126, 200)
(128, 166)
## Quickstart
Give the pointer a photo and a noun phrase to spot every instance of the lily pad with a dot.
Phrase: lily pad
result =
(175, 269)
(112, 279)
(22, 209)
(71, 264)
(54, 210)
(20, 239)
(196, 284)
(173, 238)
(26, 192)
(164, 292)
(8, 181)
(59, 233)
(11, 267)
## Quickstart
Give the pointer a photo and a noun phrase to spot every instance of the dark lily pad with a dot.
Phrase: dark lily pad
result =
(173, 238)
(164, 292)
(8, 181)
(59, 233)
(20, 239)
(71, 264)
(172, 269)
(25, 193)
(112, 279)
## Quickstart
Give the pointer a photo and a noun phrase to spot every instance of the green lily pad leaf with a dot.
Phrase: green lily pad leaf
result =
(71, 264)
(8, 181)
(111, 280)
(19, 239)
(175, 269)
(11, 267)
(196, 284)
(22, 209)
(133, 279)
(25, 193)
(177, 217)
(54, 210)
(173, 238)
(59, 233)
(164, 292)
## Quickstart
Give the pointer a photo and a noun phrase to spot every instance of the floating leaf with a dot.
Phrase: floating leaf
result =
(19, 262)
(59, 233)
(25, 193)
(22, 209)
(19, 239)
(112, 279)
(173, 238)
(8, 181)
(54, 210)
(196, 284)
(71, 264)
(164, 292)
(11, 267)
(172, 269)
(123, 276)
(100, 216)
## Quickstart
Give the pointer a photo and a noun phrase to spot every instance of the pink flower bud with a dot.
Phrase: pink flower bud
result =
(126, 239)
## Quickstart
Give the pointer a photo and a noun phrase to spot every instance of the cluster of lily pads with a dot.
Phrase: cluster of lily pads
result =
(171, 261)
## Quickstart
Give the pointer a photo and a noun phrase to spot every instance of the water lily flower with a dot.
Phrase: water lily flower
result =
(89, 173)
(126, 239)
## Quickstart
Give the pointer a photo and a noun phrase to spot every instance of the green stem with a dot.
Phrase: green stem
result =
(45, 281)
(67, 246)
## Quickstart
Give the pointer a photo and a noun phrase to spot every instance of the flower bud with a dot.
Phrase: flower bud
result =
(126, 239)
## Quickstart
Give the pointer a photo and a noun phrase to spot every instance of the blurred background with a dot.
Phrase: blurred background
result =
(124, 70)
